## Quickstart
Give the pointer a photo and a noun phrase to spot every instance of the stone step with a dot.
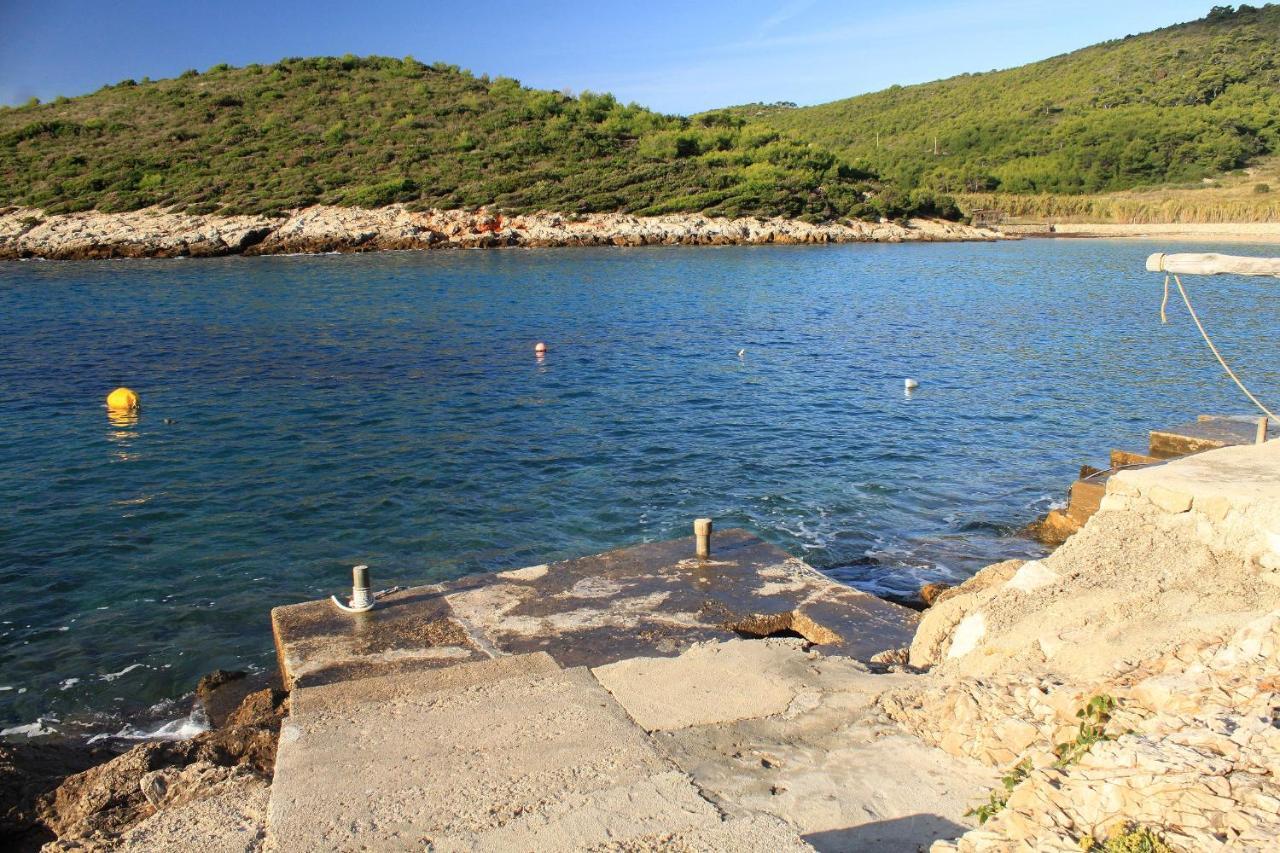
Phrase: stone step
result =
(1131, 459)
(1086, 497)
(1207, 432)
(513, 753)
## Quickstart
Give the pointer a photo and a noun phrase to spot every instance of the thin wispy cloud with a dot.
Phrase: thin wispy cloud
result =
(784, 14)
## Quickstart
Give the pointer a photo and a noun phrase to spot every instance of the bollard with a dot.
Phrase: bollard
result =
(361, 597)
(1262, 430)
(360, 587)
(702, 537)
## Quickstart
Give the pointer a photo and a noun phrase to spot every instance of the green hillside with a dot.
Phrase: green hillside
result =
(369, 132)
(1173, 105)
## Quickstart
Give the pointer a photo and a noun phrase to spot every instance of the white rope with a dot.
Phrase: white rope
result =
(1164, 319)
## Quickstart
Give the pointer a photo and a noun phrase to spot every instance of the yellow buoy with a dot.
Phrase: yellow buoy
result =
(122, 400)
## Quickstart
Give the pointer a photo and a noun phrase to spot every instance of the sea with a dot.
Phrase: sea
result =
(304, 414)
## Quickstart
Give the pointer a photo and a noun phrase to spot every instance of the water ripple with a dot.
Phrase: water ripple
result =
(304, 414)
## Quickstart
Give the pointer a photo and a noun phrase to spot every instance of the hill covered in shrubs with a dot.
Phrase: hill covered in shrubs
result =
(1170, 106)
(369, 132)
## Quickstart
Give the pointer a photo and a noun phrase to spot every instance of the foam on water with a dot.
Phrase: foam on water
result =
(182, 728)
(112, 676)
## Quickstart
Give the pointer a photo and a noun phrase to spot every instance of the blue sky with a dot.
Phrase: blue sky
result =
(672, 56)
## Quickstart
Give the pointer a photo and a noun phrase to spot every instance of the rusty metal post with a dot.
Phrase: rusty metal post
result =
(360, 587)
(1262, 430)
(702, 537)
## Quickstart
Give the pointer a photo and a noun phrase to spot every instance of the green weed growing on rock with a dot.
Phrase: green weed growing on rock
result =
(1000, 796)
(1094, 717)
(1134, 839)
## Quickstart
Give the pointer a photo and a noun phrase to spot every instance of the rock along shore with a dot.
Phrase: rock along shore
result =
(153, 233)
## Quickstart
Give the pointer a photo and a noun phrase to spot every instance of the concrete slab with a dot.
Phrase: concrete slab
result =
(655, 813)
(710, 683)
(409, 630)
(648, 600)
(756, 833)
(832, 767)
(339, 695)
(1086, 496)
(881, 793)
(495, 755)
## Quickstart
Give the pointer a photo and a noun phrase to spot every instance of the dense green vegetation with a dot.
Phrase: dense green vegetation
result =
(369, 132)
(1173, 105)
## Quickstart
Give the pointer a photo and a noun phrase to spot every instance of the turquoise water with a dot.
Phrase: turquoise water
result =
(302, 414)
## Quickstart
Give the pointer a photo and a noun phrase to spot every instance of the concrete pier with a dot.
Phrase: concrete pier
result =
(604, 703)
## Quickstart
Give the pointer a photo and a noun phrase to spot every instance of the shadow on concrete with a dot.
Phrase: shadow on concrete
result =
(899, 835)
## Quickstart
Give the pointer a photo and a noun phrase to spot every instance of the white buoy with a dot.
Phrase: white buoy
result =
(741, 353)
(910, 384)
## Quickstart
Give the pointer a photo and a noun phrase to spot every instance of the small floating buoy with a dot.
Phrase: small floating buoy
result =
(742, 353)
(910, 384)
(122, 400)
(540, 348)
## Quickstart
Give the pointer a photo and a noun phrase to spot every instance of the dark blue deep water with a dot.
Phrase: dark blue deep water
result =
(302, 414)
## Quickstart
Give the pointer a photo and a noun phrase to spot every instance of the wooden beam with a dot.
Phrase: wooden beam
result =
(1213, 264)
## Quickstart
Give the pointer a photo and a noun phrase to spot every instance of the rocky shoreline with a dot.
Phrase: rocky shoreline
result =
(73, 795)
(153, 233)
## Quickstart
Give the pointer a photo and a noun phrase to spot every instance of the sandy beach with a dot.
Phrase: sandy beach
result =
(1209, 232)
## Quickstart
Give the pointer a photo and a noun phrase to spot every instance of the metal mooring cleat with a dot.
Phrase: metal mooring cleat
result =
(361, 598)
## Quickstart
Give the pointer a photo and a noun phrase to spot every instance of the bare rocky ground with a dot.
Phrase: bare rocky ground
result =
(1127, 687)
(1134, 675)
(154, 233)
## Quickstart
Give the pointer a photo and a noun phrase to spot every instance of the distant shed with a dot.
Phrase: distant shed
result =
(986, 218)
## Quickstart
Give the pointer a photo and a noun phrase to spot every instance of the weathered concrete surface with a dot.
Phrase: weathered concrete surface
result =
(649, 600)
(403, 731)
(674, 693)
(656, 599)
(1086, 497)
(413, 629)
(498, 755)
(823, 760)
